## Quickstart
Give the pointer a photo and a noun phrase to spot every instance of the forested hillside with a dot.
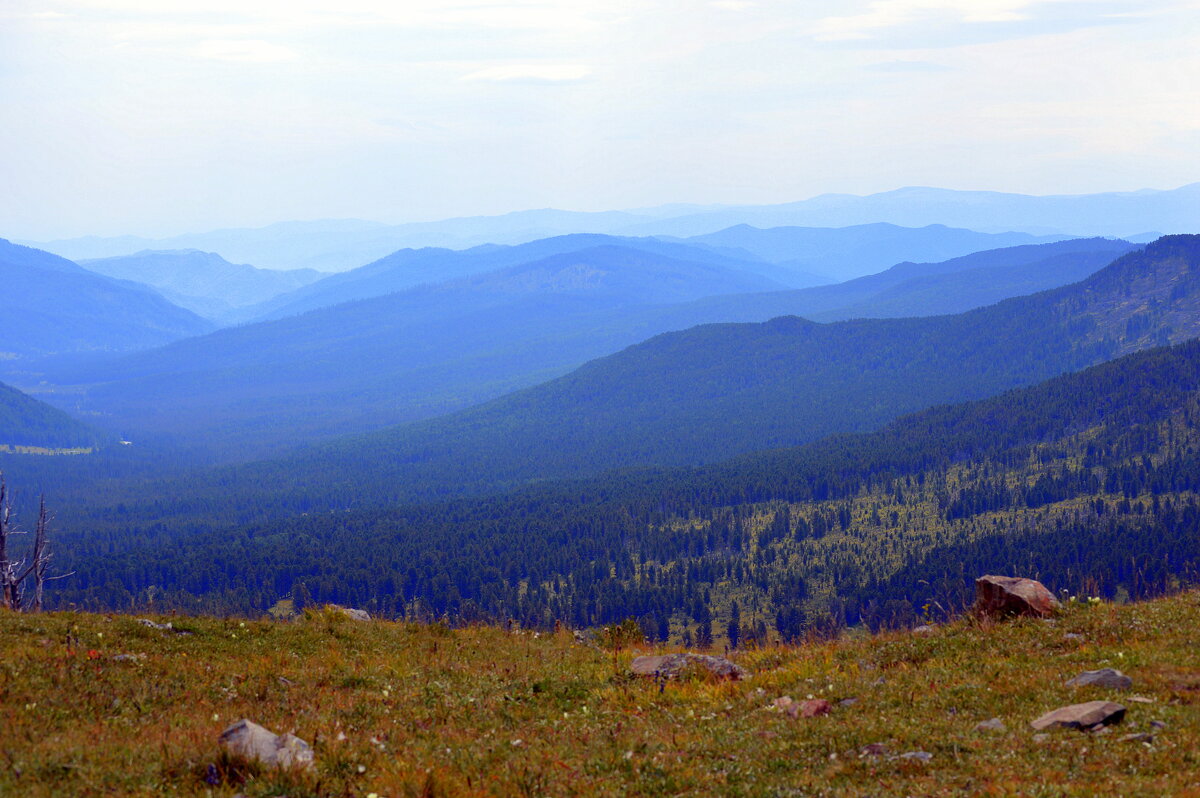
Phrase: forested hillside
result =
(844, 253)
(1089, 481)
(409, 268)
(409, 355)
(27, 423)
(712, 391)
(50, 305)
(936, 293)
(247, 392)
(203, 282)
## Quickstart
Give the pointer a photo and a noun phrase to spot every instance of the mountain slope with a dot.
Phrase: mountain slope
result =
(438, 348)
(848, 252)
(196, 280)
(1104, 214)
(336, 245)
(926, 289)
(53, 306)
(394, 358)
(1090, 481)
(938, 293)
(711, 391)
(410, 268)
(24, 421)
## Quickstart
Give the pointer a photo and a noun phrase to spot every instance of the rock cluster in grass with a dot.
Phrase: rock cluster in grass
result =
(672, 666)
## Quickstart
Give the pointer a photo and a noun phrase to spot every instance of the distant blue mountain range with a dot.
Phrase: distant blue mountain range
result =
(338, 245)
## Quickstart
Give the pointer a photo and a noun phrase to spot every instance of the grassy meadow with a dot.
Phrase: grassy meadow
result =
(398, 709)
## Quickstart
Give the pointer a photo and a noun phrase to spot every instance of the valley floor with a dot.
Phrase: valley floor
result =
(104, 705)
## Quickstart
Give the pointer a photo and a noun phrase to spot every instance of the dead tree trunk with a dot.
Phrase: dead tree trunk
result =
(9, 592)
(41, 556)
(13, 573)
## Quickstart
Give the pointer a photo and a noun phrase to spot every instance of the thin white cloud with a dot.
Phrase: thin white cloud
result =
(908, 66)
(732, 5)
(247, 51)
(531, 73)
(885, 14)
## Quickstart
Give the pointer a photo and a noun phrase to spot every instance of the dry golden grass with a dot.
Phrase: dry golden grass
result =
(401, 709)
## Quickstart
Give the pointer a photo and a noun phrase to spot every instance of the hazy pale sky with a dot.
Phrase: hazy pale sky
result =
(163, 116)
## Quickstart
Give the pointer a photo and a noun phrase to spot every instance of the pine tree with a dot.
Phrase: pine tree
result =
(734, 629)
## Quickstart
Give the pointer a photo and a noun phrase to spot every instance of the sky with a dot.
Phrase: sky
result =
(156, 117)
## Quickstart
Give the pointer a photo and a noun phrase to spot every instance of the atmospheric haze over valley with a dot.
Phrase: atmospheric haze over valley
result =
(719, 398)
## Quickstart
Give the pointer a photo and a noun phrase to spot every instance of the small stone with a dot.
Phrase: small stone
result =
(920, 756)
(1081, 716)
(873, 749)
(1141, 699)
(164, 627)
(848, 702)
(1157, 724)
(1142, 737)
(128, 657)
(813, 708)
(1073, 636)
(1041, 738)
(253, 743)
(924, 629)
(995, 724)
(1108, 678)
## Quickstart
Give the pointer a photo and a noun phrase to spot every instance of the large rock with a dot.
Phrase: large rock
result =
(999, 596)
(1082, 716)
(353, 614)
(670, 666)
(1105, 677)
(248, 741)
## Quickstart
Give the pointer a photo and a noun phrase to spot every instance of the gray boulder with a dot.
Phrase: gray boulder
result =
(353, 614)
(1105, 677)
(671, 666)
(1000, 596)
(994, 724)
(1081, 716)
(250, 742)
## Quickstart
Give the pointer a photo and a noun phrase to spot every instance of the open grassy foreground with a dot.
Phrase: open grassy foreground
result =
(396, 709)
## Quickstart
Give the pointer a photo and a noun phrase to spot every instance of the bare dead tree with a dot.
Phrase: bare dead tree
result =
(13, 573)
(9, 586)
